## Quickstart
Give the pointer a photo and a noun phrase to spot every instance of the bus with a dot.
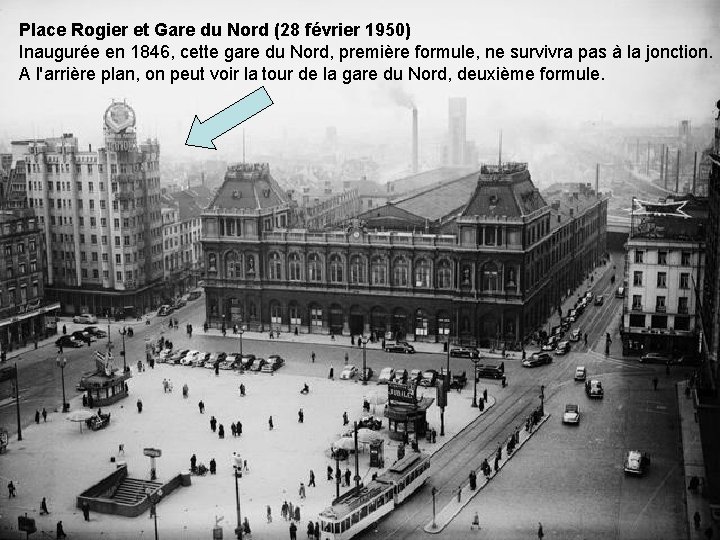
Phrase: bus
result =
(360, 507)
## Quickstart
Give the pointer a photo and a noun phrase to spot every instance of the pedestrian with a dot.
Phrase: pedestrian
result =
(44, 415)
(37, 416)
(310, 530)
(655, 383)
(331, 374)
(297, 514)
(213, 423)
(475, 522)
(291, 511)
(11, 490)
(242, 389)
(312, 355)
(317, 531)
(311, 482)
(347, 477)
(485, 395)
(64, 330)
(245, 467)
(585, 338)
(186, 390)
(201, 406)
(284, 510)
(269, 514)
(84, 400)
(221, 432)
(301, 491)
(434, 435)
(238, 428)
(213, 466)
(459, 492)
(59, 531)
(43, 507)
(346, 358)
(60, 348)
(193, 463)
(345, 419)
(301, 416)
(86, 510)
(696, 519)
(541, 534)
(473, 480)
(217, 368)
(293, 531)
(233, 429)
(270, 423)
(329, 473)
(139, 405)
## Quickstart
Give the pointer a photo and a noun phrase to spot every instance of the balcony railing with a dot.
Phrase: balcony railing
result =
(660, 309)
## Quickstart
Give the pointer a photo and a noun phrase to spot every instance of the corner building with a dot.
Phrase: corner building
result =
(495, 261)
(102, 217)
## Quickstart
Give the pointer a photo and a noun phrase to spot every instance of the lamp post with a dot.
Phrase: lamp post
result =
(434, 491)
(238, 529)
(240, 332)
(61, 363)
(475, 378)
(542, 400)
(122, 333)
(154, 497)
(364, 341)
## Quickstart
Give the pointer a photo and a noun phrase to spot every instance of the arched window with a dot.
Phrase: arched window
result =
(357, 269)
(275, 313)
(489, 277)
(378, 271)
(294, 313)
(314, 268)
(444, 275)
(400, 272)
(232, 269)
(212, 262)
(422, 274)
(336, 268)
(316, 315)
(421, 323)
(294, 267)
(274, 266)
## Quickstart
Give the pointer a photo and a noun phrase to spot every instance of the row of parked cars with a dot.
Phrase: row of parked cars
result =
(80, 338)
(226, 361)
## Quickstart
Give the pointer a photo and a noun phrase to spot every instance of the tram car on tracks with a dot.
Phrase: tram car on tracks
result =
(359, 508)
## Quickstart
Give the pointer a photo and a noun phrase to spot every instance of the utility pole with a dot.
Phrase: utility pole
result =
(238, 529)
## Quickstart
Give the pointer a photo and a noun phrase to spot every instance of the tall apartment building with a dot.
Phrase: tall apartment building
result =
(182, 250)
(102, 219)
(665, 269)
(457, 131)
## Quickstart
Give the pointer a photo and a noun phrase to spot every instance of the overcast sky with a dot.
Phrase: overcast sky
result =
(633, 92)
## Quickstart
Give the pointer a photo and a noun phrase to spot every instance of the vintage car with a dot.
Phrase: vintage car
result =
(415, 376)
(189, 358)
(636, 463)
(163, 356)
(594, 389)
(400, 346)
(551, 344)
(85, 337)
(537, 359)
(165, 310)
(257, 364)
(654, 358)
(575, 335)
(95, 331)
(348, 372)
(571, 414)
(178, 356)
(463, 352)
(562, 348)
(229, 361)
(459, 381)
(85, 318)
(203, 358)
(247, 360)
(98, 421)
(599, 300)
(580, 373)
(68, 341)
(386, 375)
(274, 362)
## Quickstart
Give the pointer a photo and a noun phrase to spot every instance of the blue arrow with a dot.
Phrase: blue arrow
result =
(202, 134)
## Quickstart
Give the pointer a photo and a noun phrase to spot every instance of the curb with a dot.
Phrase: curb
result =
(440, 526)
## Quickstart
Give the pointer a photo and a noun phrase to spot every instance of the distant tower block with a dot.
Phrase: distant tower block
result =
(457, 113)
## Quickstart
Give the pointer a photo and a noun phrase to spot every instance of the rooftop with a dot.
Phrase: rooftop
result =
(248, 186)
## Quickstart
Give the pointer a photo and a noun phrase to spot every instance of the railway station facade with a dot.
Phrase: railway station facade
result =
(482, 259)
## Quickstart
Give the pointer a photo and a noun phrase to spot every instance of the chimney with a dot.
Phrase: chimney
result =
(414, 140)
(694, 173)
(202, 179)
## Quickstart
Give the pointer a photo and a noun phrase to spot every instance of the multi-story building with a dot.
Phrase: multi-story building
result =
(496, 261)
(102, 218)
(182, 250)
(24, 315)
(664, 271)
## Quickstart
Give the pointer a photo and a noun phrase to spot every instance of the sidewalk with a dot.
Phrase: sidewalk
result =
(693, 463)
(456, 504)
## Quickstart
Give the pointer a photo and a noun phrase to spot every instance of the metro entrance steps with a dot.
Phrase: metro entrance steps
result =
(132, 490)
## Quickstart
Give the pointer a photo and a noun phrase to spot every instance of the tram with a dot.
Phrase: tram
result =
(359, 508)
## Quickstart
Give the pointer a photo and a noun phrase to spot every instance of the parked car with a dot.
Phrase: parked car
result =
(85, 318)
(575, 335)
(415, 376)
(572, 414)
(68, 341)
(348, 372)
(594, 389)
(636, 463)
(386, 375)
(654, 358)
(551, 344)
(274, 362)
(400, 346)
(229, 361)
(686, 360)
(95, 331)
(401, 376)
(189, 358)
(164, 310)
(563, 348)
(180, 302)
(203, 358)
(164, 356)
(179, 355)
(194, 295)
(589, 296)
(247, 360)
(459, 381)
(599, 300)
(580, 373)
(463, 352)
(429, 377)
(620, 293)
(537, 359)
(257, 364)
(573, 315)
(85, 337)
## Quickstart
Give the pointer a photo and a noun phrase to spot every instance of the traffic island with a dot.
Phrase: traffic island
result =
(464, 494)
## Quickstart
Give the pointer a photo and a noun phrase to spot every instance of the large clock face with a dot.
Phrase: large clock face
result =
(119, 117)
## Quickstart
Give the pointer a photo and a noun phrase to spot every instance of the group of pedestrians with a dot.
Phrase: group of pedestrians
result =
(38, 414)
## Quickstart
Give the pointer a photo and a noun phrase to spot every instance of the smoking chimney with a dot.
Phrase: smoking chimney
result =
(414, 140)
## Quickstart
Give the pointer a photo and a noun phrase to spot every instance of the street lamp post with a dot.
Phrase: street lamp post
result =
(240, 332)
(475, 378)
(434, 491)
(238, 529)
(122, 333)
(542, 400)
(154, 497)
(61, 363)
(364, 341)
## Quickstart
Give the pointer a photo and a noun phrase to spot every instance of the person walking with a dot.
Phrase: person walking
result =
(139, 405)
(485, 395)
(301, 416)
(696, 519)
(301, 491)
(233, 429)
(329, 473)
(213, 466)
(270, 423)
(540, 532)
(655, 383)
(64, 330)
(312, 355)
(238, 428)
(11, 490)
(221, 432)
(269, 514)
(43, 507)
(201, 407)
(311, 482)
(347, 477)
(293, 531)
(37, 416)
(59, 531)
(86, 510)
(193, 463)
(44, 415)
(585, 339)
(332, 373)
(317, 531)
(345, 419)
(213, 423)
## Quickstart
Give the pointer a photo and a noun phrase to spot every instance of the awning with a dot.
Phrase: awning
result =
(27, 315)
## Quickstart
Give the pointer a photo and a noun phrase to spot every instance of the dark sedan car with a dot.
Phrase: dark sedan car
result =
(463, 352)
(537, 359)
(68, 341)
(95, 331)
(400, 346)
(81, 336)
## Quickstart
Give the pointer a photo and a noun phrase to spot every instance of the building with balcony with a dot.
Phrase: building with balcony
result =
(664, 272)
(496, 260)
(182, 249)
(24, 314)
(101, 214)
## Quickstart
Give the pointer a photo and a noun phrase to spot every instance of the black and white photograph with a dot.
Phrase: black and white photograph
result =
(360, 270)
